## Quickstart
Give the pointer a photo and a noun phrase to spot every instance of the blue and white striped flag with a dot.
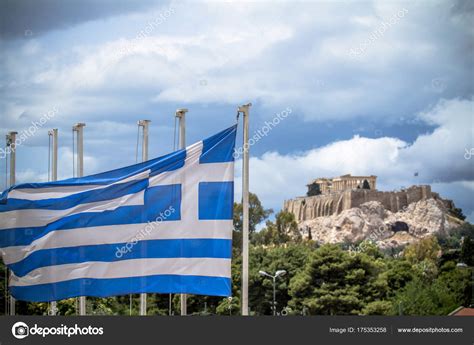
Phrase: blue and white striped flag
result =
(161, 226)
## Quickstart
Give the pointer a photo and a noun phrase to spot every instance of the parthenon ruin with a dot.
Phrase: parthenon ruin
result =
(341, 183)
(328, 196)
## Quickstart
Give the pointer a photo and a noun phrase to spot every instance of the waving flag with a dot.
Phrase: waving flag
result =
(163, 226)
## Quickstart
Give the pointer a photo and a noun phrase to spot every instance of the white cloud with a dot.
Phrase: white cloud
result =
(437, 157)
(28, 175)
(288, 54)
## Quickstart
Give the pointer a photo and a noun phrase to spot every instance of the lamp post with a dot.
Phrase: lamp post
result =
(278, 273)
(230, 305)
(462, 265)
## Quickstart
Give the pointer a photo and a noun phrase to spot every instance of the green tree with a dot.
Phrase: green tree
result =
(467, 251)
(257, 214)
(397, 274)
(266, 236)
(3, 282)
(424, 249)
(457, 212)
(452, 240)
(437, 297)
(335, 282)
(378, 308)
(283, 230)
(370, 248)
(287, 227)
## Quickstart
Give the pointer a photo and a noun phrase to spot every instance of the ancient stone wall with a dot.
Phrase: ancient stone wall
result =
(305, 208)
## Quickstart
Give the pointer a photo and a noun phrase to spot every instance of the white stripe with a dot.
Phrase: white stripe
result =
(213, 172)
(42, 217)
(212, 229)
(126, 268)
(35, 194)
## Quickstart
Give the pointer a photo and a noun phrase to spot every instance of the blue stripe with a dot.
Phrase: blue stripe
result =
(107, 193)
(220, 147)
(156, 166)
(196, 285)
(172, 248)
(158, 199)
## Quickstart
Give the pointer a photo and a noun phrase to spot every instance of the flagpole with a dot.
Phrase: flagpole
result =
(11, 141)
(144, 124)
(181, 115)
(54, 156)
(54, 177)
(244, 109)
(79, 128)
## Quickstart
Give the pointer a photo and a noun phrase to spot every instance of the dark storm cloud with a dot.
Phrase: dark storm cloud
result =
(21, 18)
(463, 7)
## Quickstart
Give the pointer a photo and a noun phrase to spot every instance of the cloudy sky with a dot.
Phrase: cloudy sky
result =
(383, 88)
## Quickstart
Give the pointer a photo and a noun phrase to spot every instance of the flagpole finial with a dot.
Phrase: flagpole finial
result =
(180, 112)
(11, 137)
(78, 125)
(244, 107)
(143, 123)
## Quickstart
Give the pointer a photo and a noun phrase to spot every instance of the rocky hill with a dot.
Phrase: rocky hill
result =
(372, 221)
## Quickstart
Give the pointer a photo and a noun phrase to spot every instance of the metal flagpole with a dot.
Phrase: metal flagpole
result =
(244, 109)
(54, 176)
(144, 124)
(54, 156)
(181, 115)
(7, 144)
(11, 138)
(169, 305)
(79, 128)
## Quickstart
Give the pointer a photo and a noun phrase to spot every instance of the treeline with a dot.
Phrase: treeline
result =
(430, 277)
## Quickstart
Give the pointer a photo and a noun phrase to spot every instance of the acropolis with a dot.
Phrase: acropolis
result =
(329, 196)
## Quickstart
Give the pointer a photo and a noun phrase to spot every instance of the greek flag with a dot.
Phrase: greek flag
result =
(161, 226)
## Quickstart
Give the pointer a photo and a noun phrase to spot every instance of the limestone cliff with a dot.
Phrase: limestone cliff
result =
(372, 221)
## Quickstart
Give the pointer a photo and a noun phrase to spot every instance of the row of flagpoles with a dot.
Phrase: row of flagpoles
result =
(78, 136)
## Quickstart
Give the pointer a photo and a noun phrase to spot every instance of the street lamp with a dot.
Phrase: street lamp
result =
(278, 273)
(230, 305)
(462, 265)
